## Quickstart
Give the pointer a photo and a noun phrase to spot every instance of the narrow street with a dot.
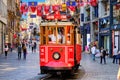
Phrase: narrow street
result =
(14, 69)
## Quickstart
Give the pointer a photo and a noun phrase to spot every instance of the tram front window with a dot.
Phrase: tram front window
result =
(53, 38)
(56, 35)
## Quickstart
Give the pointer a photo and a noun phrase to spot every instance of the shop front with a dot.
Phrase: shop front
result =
(104, 38)
(2, 25)
(116, 36)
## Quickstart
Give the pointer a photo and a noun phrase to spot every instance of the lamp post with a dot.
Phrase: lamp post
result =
(111, 23)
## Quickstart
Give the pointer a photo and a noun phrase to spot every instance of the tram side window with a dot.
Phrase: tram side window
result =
(68, 35)
(43, 37)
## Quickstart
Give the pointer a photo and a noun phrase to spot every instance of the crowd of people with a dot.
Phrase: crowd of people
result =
(102, 53)
(21, 48)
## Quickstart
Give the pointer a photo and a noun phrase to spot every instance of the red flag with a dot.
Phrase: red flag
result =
(93, 2)
(23, 8)
(46, 9)
(117, 6)
(57, 15)
(33, 8)
(15, 36)
(39, 10)
(55, 8)
(72, 8)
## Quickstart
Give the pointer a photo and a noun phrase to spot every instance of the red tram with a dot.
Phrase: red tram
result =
(60, 47)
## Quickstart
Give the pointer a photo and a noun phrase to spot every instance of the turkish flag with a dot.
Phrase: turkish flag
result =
(57, 15)
(14, 36)
(93, 2)
(23, 8)
(33, 8)
(46, 9)
(72, 8)
(39, 10)
(55, 8)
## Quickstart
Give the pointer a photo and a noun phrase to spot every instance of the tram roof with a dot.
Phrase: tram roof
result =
(56, 23)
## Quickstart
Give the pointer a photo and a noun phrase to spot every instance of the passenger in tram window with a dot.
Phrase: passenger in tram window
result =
(54, 37)
(68, 40)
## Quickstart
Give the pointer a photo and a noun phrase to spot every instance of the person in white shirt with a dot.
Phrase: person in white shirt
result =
(93, 50)
(115, 53)
(53, 37)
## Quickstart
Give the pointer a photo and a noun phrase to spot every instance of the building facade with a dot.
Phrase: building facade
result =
(3, 23)
(13, 19)
(103, 27)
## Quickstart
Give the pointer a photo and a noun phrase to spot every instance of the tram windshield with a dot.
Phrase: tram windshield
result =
(56, 35)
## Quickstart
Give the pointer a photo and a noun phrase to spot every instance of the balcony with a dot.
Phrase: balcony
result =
(3, 9)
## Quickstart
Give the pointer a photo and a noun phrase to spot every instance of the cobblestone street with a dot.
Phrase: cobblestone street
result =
(14, 69)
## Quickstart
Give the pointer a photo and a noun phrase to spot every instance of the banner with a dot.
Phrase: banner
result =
(46, 9)
(32, 6)
(71, 3)
(24, 8)
(39, 10)
(32, 15)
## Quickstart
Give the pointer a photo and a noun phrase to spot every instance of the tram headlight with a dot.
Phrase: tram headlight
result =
(56, 55)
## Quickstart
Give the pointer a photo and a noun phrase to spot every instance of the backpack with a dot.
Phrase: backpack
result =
(104, 52)
(19, 48)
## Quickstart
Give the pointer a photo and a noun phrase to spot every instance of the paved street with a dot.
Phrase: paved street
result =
(14, 69)
(96, 71)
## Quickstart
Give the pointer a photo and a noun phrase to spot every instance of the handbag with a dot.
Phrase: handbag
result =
(118, 56)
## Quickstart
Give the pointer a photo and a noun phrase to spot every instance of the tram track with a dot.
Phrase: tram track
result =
(46, 77)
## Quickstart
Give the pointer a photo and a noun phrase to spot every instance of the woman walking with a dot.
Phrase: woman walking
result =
(6, 50)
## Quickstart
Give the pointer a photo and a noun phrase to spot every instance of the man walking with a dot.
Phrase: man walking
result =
(19, 51)
(103, 54)
(115, 54)
(93, 50)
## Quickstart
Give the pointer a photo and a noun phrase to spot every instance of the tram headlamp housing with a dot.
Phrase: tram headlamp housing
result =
(56, 55)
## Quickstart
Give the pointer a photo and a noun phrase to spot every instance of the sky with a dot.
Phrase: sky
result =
(40, 1)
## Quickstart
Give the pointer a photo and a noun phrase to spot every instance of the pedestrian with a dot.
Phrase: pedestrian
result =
(32, 46)
(115, 53)
(35, 46)
(93, 50)
(118, 57)
(24, 52)
(102, 56)
(6, 50)
(19, 51)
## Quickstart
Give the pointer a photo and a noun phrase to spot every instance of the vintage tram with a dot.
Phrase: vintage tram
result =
(60, 47)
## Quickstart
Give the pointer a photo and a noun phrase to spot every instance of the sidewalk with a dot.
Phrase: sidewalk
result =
(96, 71)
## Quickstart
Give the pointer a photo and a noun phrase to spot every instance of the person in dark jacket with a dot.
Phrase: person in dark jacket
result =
(24, 52)
(19, 51)
(103, 54)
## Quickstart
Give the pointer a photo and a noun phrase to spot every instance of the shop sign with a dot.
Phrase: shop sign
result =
(104, 31)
